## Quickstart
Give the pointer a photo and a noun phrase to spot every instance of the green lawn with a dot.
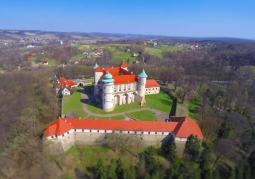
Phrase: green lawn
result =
(120, 117)
(194, 105)
(123, 56)
(145, 115)
(94, 107)
(73, 102)
(161, 101)
(78, 57)
(154, 51)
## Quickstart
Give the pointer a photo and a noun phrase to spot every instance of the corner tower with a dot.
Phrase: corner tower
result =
(107, 96)
(141, 83)
(98, 72)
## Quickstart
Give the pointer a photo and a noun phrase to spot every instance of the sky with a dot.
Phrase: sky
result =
(186, 18)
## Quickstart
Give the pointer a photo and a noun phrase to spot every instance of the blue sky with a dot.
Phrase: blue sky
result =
(189, 18)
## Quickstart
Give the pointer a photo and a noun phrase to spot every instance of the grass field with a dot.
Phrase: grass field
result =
(73, 102)
(161, 101)
(145, 115)
(123, 56)
(120, 117)
(157, 51)
(94, 107)
(154, 51)
(194, 105)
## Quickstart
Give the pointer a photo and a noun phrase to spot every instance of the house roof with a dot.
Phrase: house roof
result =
(67, 83)
(123, 65)
(98, 69)
(125, 79)
(181, 128)
(151, 83)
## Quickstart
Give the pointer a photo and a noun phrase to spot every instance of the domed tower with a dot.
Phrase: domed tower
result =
(98, 72)
(107, 96)
(141, 83)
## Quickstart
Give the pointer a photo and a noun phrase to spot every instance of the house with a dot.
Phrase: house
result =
(135, 54)
(63, 133)
(62, 84)
(45, 63)
(29, 56)
(116, 86)
(66, 91)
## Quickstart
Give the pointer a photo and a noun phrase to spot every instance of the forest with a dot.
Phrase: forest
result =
(218, 79)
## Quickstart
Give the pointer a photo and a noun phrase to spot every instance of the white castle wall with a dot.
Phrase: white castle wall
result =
(153, 90)
(60, 144)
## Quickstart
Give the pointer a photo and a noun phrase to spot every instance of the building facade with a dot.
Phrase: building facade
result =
(63, 133)
(116, 86)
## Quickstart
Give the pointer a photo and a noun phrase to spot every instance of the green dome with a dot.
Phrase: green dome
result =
(143, 74)
(108, 78)
(95, 67)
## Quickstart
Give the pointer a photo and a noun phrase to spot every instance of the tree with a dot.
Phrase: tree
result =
(101, 170)
(225, 131)
(192, 148)
(112, 170)
(130, 173)
(119, 169)
(223, 148)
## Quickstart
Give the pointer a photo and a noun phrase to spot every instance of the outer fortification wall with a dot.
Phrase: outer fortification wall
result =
(61, 144)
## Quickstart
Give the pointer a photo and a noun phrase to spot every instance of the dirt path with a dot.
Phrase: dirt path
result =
(87, 98)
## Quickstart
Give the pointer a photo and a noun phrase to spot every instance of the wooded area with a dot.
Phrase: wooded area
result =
(222, 77)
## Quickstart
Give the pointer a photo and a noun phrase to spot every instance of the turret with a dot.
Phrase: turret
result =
(123, 65)
(141, 83)
(107, 96)
(98, 72)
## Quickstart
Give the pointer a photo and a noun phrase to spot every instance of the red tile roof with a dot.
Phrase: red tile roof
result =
(67, 83)
(183, 128)
(151, 83)
(98, 69)
(123, 65)
(125, 79)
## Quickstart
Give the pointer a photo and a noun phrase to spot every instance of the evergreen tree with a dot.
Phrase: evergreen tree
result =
(101, 170)
(232, 174)
(206, 161)
(119, 169)
(112, 170)
(225, 131)
(192, 147)
(216, 174)
(196, 174)
(130, 173)
(239, 170)
(172, 152)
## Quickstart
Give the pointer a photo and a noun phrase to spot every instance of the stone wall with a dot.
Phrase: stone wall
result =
(92, 137)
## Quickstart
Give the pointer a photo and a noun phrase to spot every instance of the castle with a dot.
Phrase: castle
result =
(63, 133)
(117, 86)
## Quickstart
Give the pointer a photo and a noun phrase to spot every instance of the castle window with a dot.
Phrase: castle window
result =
(52, 137)
(97, 130)
(74, 130)
(128, 132)
(105, 131)
(148, 132)
(89, 130)
(68, 132)
(63, 135)
(82, 130)
(162, 133)
(114, 90)
(155, 132)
